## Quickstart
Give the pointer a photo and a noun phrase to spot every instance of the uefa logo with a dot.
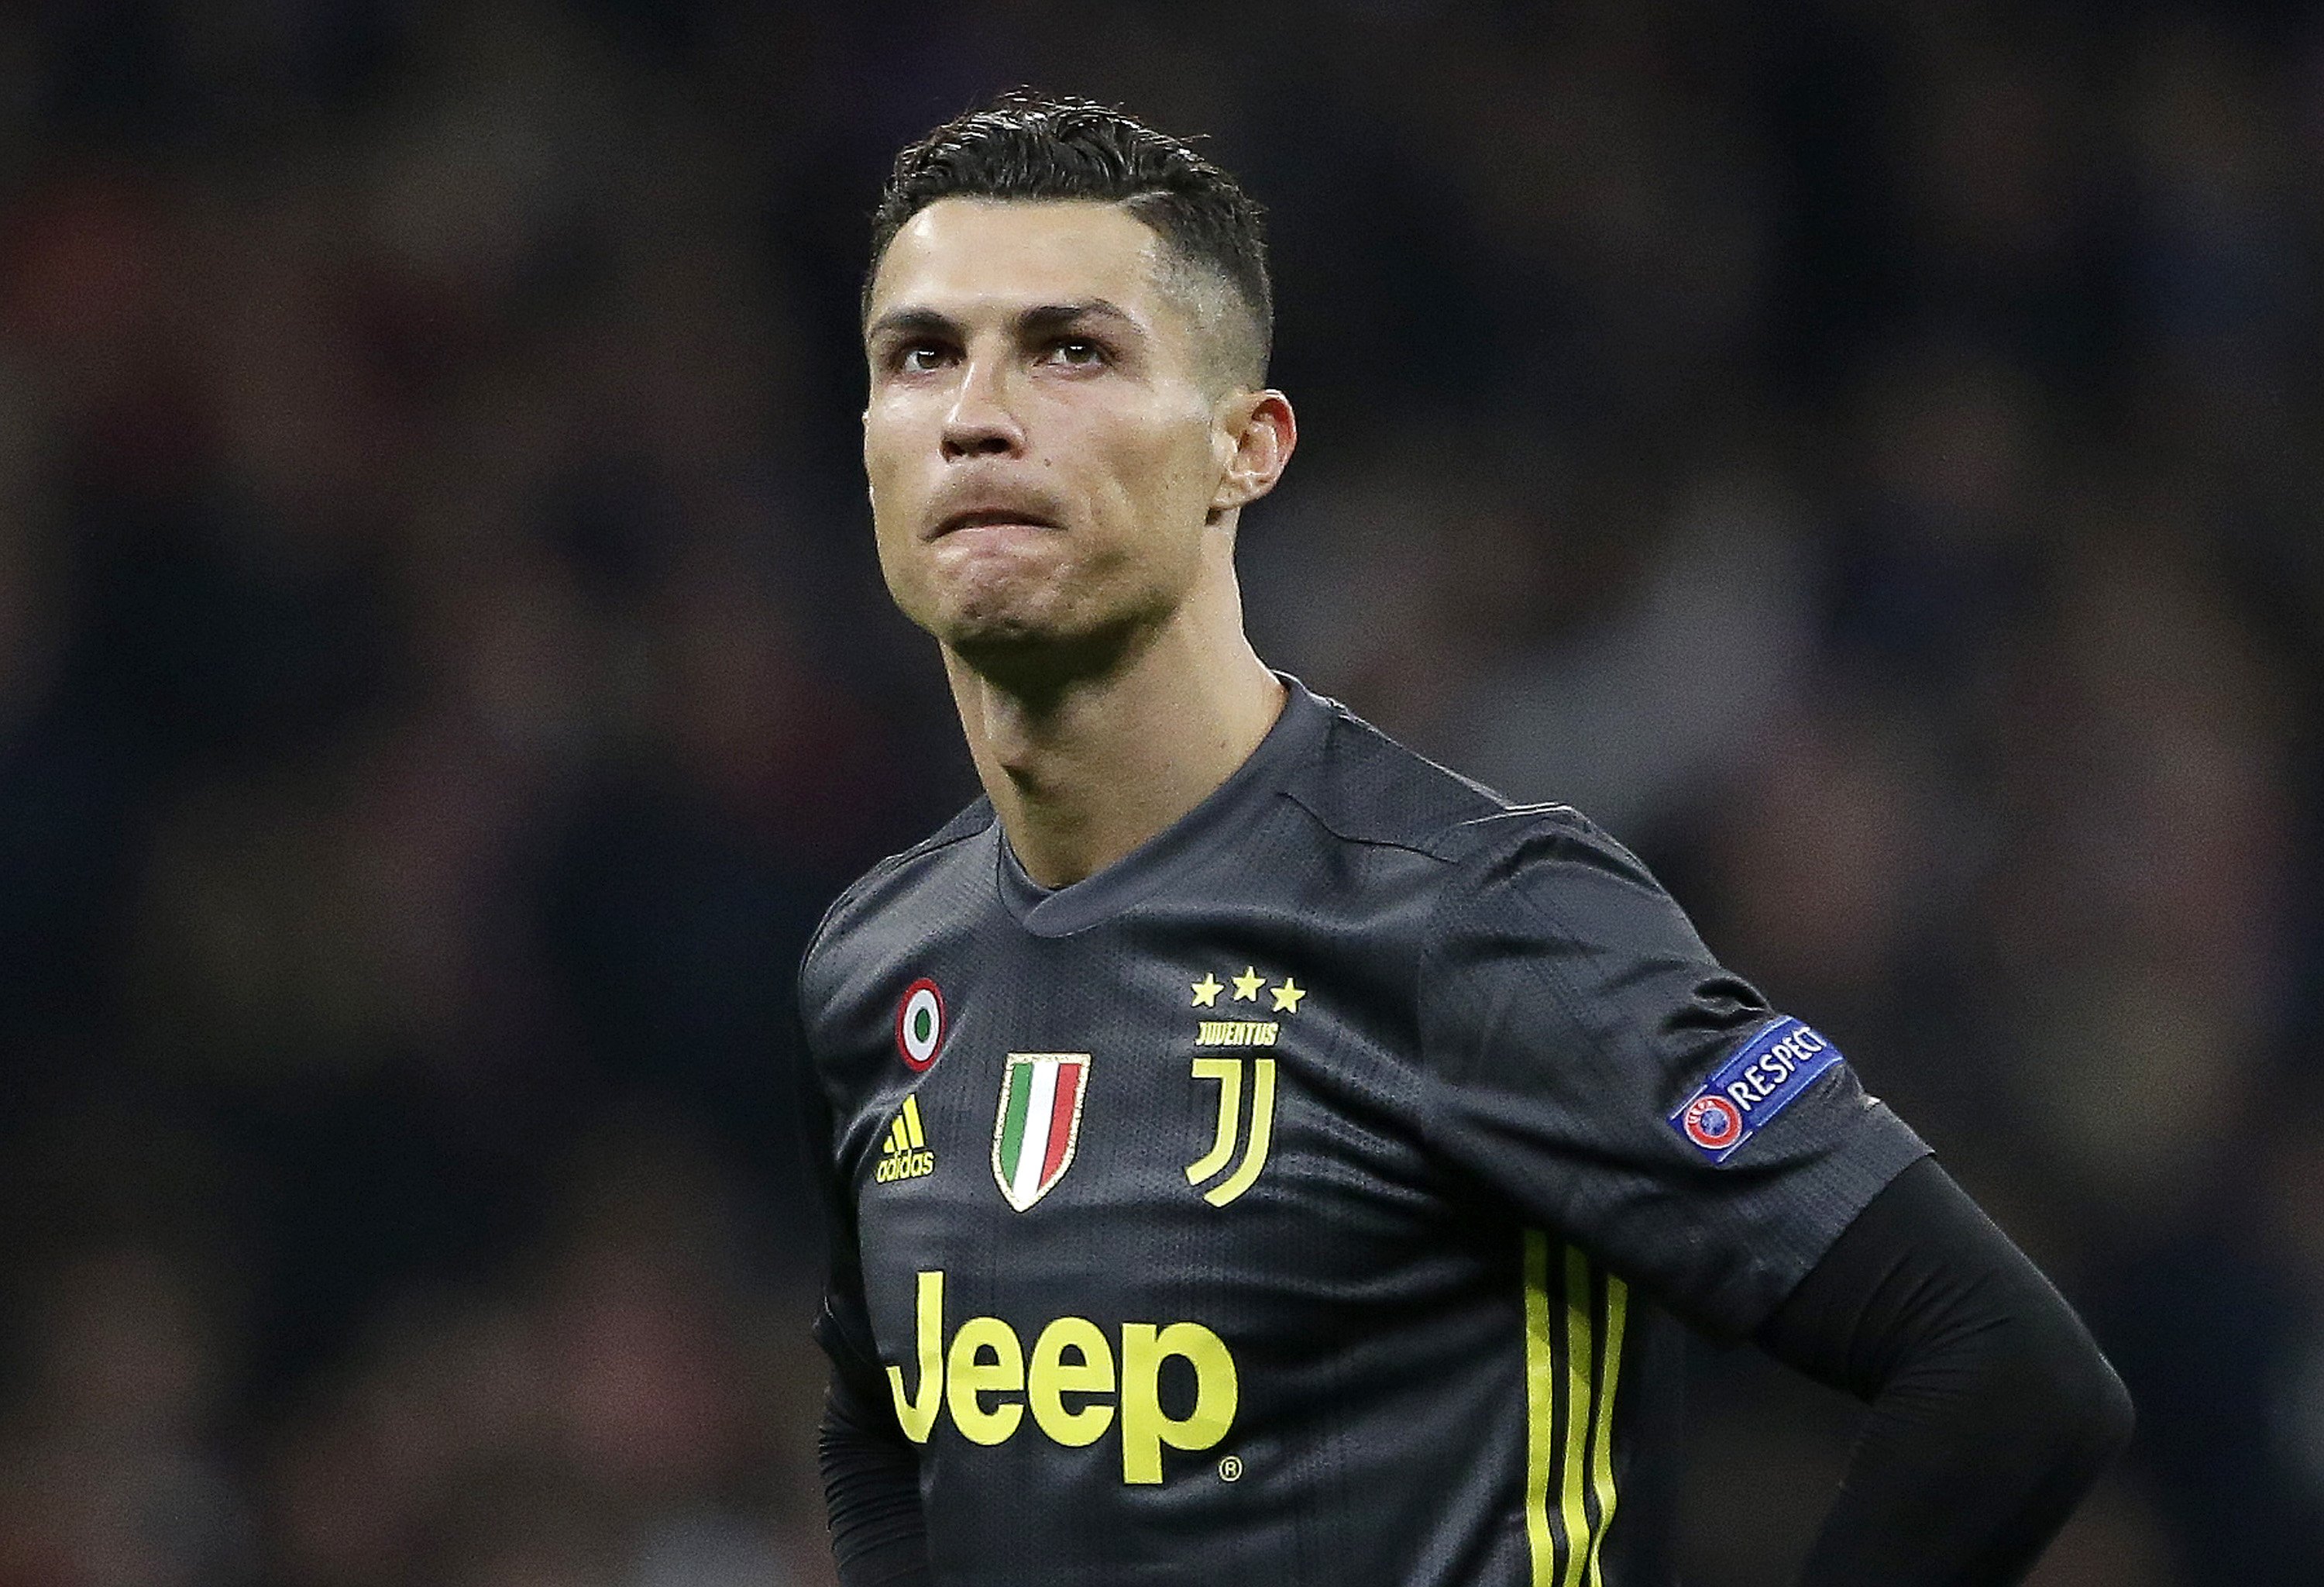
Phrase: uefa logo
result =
(1712, 1122)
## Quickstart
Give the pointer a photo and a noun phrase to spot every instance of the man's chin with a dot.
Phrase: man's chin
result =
(1025, 651)
(1004, 638)
(996, 618)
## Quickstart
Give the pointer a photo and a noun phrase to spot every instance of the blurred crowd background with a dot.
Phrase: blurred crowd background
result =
(1866, 452)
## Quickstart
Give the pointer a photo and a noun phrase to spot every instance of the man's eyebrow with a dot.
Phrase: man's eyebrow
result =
(924, 322)
(1043, 316)
(1058, 316)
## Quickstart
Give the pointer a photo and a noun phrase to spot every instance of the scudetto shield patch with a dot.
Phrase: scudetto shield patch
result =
(1039, 1122)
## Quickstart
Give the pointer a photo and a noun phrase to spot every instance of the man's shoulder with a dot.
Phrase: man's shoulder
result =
(1461, 856)
(939, 860)
(1365, 786)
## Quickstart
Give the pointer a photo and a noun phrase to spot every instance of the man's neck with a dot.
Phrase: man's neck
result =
(1082, 774)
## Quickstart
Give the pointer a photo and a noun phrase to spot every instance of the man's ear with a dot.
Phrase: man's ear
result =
(1257, 434)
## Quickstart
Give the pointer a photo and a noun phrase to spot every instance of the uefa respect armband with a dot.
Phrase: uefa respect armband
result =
(1763, 1078)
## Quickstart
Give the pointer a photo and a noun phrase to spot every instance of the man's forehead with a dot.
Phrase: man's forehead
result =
(957, 253)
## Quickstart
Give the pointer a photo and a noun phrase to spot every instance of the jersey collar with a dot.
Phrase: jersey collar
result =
(1186, 843)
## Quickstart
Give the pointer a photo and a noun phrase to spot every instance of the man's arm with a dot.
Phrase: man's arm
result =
(871, 1473)
(1572, 1021)
(1992, 1410)
(871, 1484)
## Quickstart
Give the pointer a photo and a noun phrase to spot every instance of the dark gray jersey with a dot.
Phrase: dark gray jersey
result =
(1302, 1199)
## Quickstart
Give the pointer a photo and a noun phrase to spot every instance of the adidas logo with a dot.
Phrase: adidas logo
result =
(906, 1155)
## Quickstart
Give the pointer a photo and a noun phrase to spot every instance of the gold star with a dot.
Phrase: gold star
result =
(1207, 989)
(1247, 985)
(1288, 996)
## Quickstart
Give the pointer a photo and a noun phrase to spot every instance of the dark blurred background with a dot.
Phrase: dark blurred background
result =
(1864, 453)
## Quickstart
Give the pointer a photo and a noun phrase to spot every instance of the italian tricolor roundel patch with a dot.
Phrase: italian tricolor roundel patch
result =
(1040, 1119)
(920, 1024)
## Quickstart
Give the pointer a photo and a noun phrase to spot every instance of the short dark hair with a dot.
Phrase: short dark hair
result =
(1033, 146)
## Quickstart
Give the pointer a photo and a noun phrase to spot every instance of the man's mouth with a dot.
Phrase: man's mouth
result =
(990, 517)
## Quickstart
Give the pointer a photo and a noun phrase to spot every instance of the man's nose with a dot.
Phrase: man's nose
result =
(983, 421)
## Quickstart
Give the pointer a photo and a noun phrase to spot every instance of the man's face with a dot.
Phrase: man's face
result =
(1043, 442)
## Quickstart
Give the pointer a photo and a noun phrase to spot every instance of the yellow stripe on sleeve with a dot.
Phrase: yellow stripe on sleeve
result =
(1573, 1457)
(1541, 1367)
(1570, 1459)
(1601, 1437)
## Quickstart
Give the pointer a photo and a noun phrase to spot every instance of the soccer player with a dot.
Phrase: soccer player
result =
(1258, 1155)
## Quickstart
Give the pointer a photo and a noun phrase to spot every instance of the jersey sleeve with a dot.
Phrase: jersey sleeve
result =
(879, 1534)
(1587, 1058)
(843, 1324)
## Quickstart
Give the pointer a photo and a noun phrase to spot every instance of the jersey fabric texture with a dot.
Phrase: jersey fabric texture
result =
(1305, 1197)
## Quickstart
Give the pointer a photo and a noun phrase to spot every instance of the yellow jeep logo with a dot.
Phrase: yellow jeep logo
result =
(981, 1375)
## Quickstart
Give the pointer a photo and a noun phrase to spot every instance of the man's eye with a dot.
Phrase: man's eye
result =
(1077, 352)
(920, 358)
